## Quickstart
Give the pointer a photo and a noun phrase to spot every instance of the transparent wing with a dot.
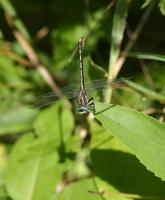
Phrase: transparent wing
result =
(72, 90)
(46, 99)
(102, 83)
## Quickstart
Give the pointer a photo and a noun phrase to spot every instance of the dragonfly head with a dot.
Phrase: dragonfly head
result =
(82, 109)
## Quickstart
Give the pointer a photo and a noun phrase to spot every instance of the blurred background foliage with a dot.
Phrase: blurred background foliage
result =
(38, 39)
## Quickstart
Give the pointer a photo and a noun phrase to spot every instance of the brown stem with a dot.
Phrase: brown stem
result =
(17, 58)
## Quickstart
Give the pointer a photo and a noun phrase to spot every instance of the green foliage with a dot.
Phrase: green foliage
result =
(54, 153)
(161, 5)
(41, 155)
(119, 22)
(146, 91)
(149, 56)
(146, 3)
(118, 26)
(17, 120)
(122, 171)
(142, 134)
(79, 190)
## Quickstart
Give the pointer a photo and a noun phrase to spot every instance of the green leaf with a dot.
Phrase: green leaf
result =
(114, 169)
(17, 120)
(146, 91)
(119, 22)
(162, 6)
(117, 172)
(118, 26)
(146, 3)
(37, 163)
(144, 55)
(11, 73)
(79, 190)
(142, 134)
(102, 139)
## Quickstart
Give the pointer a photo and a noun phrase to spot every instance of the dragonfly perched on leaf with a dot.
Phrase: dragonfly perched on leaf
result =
(77, 90)
(72, 91)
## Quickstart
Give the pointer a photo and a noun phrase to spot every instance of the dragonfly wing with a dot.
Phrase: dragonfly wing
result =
(96, 84)
(102, 83)
(71, 91)
(50, 97)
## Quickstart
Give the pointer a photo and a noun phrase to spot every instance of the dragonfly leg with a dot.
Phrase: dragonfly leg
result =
(92, 106)
(91, 99)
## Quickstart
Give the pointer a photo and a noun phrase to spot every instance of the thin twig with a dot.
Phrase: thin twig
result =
(146, 73)
(149, 111)
(161, 119)
(135, 196)
(133, 38)
(41, 34)
(15, 57)
(98, 66)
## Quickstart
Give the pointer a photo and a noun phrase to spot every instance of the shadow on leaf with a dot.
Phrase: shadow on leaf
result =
(126, 173)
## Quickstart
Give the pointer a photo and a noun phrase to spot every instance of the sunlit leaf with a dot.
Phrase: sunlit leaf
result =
(79, 190)
(142, 134)
(148, 56)
(17, 120)
(119, 22)
(117, 170)
(162, 6)
(37, 163)
(146, 91)
(146, 3)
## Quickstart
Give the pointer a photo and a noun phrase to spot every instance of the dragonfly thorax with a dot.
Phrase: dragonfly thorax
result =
(82, 98)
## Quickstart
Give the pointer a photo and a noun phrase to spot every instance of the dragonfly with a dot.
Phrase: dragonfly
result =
(73, 90)
(85, 104)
